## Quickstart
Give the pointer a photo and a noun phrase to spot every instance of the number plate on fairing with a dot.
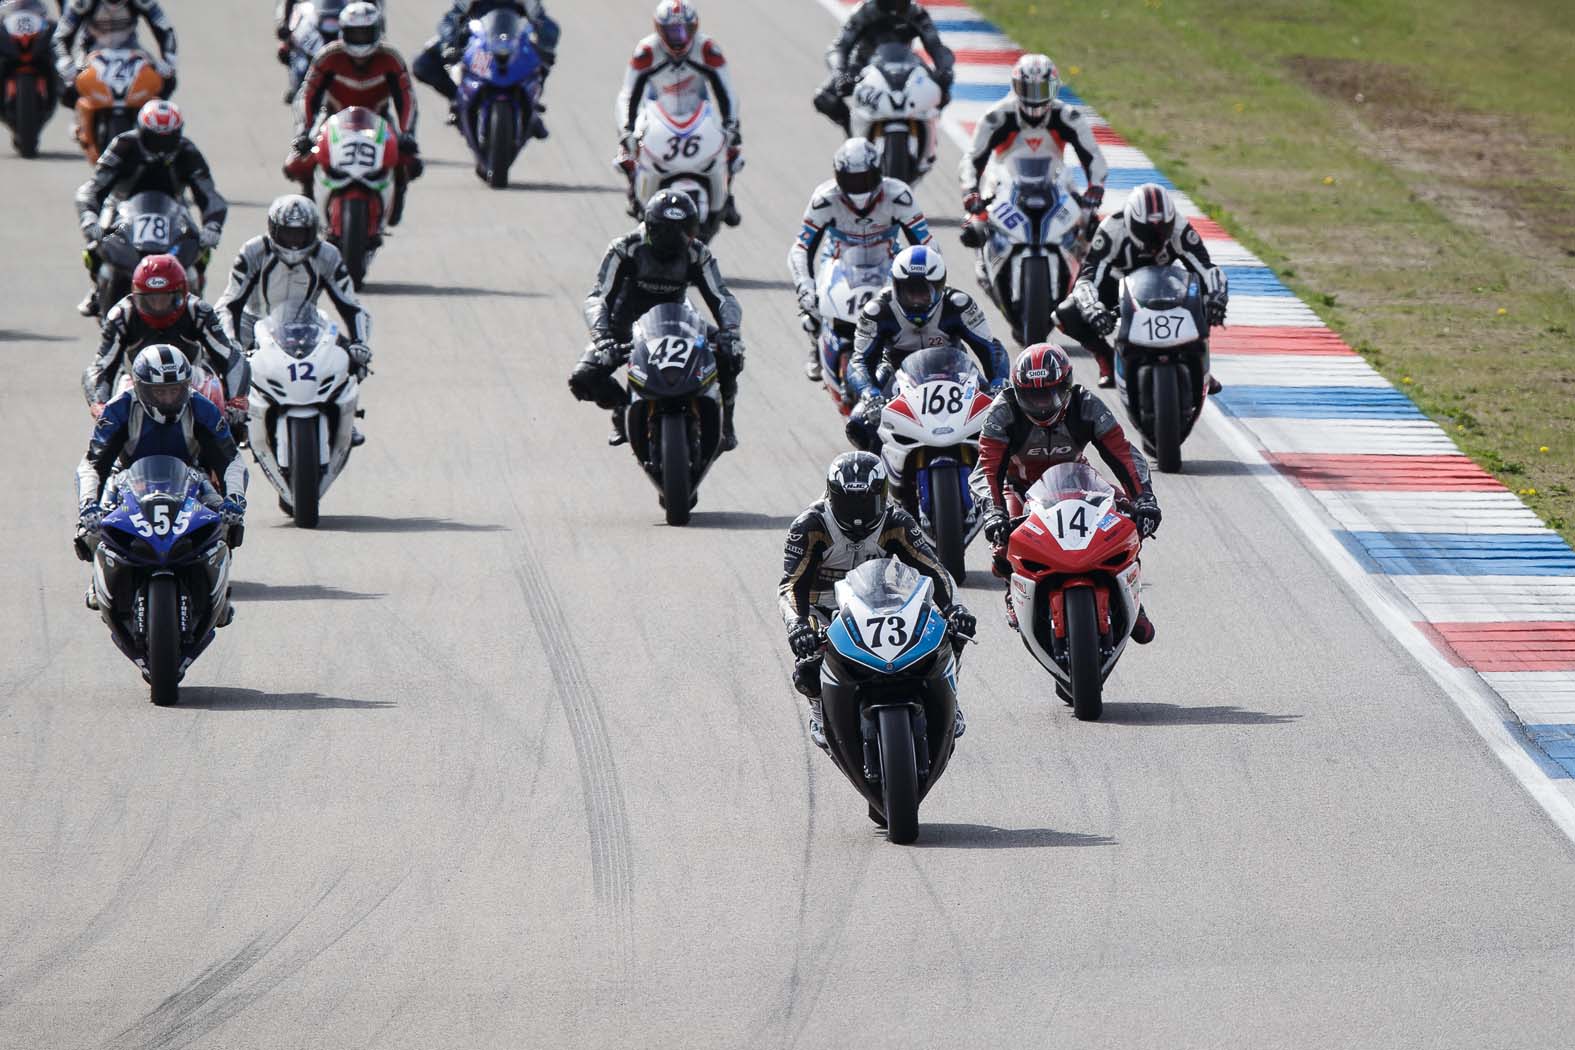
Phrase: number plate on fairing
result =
(1161, 328)
(1074, 522)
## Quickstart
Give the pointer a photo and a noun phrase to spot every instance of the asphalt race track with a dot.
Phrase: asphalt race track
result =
(496, 759)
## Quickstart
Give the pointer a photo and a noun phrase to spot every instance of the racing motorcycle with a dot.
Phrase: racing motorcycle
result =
(1162, 357)
(150, 223)
(846, 279)
(674, 419)
(897, 105)
(356, 155)
(1075, 574)
(687, 152)
(888, 688)
(500, 84)
(1032, 245)
(303, 407)
(313, 26)
(27, 77)
(161, 569)
(112, 86)
(930, 441)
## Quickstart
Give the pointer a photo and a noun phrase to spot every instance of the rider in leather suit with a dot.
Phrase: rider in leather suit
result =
(443, 50)
(873, 23)
(87, 25)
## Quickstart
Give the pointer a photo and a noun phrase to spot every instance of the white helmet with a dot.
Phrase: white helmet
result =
(361, 29)
(918, 281)
(292, 227)
(1150, 215)
(857, 166)
(1035, 81)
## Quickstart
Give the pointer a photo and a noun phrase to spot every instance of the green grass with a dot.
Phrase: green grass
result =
(1402, 166)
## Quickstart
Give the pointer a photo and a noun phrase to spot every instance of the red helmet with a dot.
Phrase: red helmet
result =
(1042, 383)
(677, 22)
(158, 290)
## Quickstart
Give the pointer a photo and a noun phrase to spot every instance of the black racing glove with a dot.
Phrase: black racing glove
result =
(1145, 512)
(302, 144)
(973, 234)
(803, 639)
(1217, 307)
(1102, 320)
(964, 623)
(997, 527)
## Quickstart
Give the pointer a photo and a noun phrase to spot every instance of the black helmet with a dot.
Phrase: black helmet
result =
(856, 493)
(671, 221)
(893, 7)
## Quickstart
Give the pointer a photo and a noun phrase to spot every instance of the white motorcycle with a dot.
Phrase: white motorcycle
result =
(1032, 246)
(929, 434)
(897, 105)
(687, 152)
(847, 276)
(303, 406)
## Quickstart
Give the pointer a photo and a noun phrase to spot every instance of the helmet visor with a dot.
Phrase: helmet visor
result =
(1033, 92)
(859, 182)
(914, 295)
(676, 36)
(667, 239)
(1152, 235)
(168, 398)
(1044, 404)
(359, 38)
(155, 304)
(858, 512)
(292, 238)
(159, 143)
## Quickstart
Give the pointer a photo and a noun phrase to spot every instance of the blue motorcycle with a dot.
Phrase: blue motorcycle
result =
(499, 90)
(161, 569)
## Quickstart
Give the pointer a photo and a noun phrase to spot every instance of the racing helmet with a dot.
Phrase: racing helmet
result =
(158, 290)
(161, 380)
(361, 29)
(293, 227)
(856, 493)
(893, 7)
(159, 128)
(1151, 216)
(1035, 81)
(676, 23)
(857, 167)
(1042, 383)
(671, 221)
(918, 281)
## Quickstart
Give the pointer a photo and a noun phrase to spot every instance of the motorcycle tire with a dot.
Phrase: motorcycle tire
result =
(1082, 642)
(946, 520)
(899, 775)
(500, 144)
(896, 162)
(24, 133)
(1167, 418)
(162, 641)
(1035, 300)
(305, 477)
(675, 468)
(353, 241)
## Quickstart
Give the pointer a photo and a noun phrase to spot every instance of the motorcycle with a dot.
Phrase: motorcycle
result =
(687, 152)
(356, 155)
(150, 223)
(888, 681)
(27, 76)
(161, 569)
(303, 407)
(930, 441)
(674, 418)
(111, 87)
(1075, 574)
(1162, 357)
(846, 279)
(313, 26)
(1032, 246)
(499, 91)
(897, 106)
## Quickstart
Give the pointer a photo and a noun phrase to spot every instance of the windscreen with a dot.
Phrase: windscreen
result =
(296, 327)
(886, 584)
(939, 362)
(1072, 481)
(157, 475)
(153, 221)
(669, 319)
(1158, 284)
(502, 31)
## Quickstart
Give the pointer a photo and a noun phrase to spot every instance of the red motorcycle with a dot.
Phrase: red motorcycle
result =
(27, 71)
(1074, 560)
(352, 169)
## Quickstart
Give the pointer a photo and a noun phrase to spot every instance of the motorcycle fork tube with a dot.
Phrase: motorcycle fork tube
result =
(869, 730)
(921, 741)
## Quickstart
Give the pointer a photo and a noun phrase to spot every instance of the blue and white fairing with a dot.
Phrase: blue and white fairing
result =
(886, 619)
(158, 509)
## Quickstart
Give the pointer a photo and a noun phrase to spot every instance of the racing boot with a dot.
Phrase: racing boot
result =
(1142, 628)
(729, 435)
(730, 214)
(1215, 386)
(812, 366)
(229, 615)
(1011, 612)
(1103, 357)
(357, 439)
(538, 130)
(618, 435)
(90, 599)
(817, 729)
(89, 307)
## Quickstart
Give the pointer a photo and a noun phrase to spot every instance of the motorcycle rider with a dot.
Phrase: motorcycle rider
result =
(851, 524)
(161, 311)
(915, 311)
(154, 156)
(1030, 121)
(431, 66)
(873, 23)
(157, 417)
(656, 262)
(1144, 233)
(1041, 420)
(88, 25)
(856, 208)
(358, 69)
(678, 64)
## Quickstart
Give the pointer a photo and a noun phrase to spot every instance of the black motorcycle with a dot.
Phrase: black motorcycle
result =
(28, 93)
(674, 418)
(1162, 357)
(150, 223)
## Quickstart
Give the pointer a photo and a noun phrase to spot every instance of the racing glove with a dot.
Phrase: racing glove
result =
(1094, 196)
(728, 343)
(360, 359)
(210, 236)
(997, 527)
(302, 144)
(973, 204)
(803, 639)
(1145, 512)
(964, 623)
(92, 232)
(808, 301)
(1217, 309)
(974, 233)
(1100, 319)
(233, 510)
(90, 517)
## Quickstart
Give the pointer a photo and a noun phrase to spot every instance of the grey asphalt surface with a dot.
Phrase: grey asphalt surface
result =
(496, 759)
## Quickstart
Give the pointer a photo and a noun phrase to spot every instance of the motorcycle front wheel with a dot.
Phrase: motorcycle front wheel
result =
(500, 143)
(24, 134)
(1082, 642)
(675, 468)
(946, 519)
(304, 474)
(896, 162)
(1167, 417)
(1034, 300)
(899, 774)
(163, 640)
(353, 241)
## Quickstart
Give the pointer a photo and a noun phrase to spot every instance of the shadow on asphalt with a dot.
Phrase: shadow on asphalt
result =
(12, 335)
(1146, 714)
(209, 698)
(566, 187)
(447, 291)
(295, 592)
(1220, 468)
(739, 520)
(944, 222)
(760, 284)
(984, 836)
(373, 523)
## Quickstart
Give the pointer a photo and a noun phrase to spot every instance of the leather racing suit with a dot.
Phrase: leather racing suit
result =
(197, 333)
(453, 32)
(261, 280)
(1002, 134)
(125, 433)
(88, 25)
(866, 29)
(833, 227)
